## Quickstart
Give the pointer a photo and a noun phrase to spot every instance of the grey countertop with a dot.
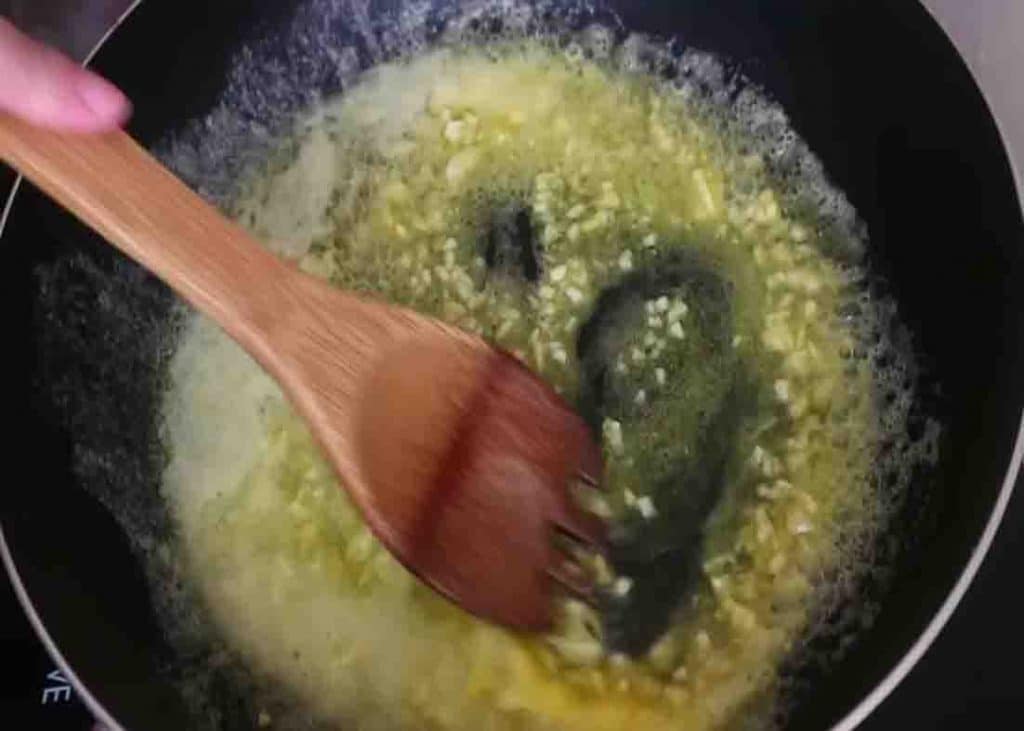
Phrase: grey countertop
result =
(72, 25)
(988, 33)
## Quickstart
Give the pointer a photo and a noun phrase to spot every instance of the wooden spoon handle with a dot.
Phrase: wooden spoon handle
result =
(110, 183)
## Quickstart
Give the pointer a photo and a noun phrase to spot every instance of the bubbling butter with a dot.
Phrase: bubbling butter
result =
(394, 189)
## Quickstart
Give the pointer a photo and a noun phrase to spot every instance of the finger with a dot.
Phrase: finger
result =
(573, 580)
(44, 87)
(591, 465)
(580, 525)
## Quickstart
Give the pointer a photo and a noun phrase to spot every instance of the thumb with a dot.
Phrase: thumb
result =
(46, 88)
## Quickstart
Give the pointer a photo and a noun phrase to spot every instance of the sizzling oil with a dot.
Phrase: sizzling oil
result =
(508, 192)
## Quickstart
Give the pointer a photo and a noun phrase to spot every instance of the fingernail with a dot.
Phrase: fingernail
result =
(103, 99)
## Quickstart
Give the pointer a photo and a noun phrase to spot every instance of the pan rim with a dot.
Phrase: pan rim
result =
(99, 713)
(853, 718)
(888, 685)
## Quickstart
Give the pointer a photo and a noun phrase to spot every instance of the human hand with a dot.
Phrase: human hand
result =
(42, 86)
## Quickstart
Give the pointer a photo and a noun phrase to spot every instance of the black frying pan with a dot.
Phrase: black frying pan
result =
(876, 90)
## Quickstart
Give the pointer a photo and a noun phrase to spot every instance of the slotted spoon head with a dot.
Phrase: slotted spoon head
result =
(461, 460)
(484, 481)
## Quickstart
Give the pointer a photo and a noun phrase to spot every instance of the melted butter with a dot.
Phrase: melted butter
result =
(386, 195)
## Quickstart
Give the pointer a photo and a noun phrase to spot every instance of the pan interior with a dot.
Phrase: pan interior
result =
(614, 216)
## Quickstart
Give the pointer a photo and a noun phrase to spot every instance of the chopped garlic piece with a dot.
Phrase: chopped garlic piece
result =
(800, 524)
(582, 653)
(763, 525)
(676, 331)
(646, 507)
(622, 587)
(774, 491)
(619, 661)
(457, 131)
(626, 261)
(461, 165)
(610, 200)
(596, 504)
(663, 656)
(707, 198)
(595, 222)
(576, 212)
(613, 435)
(742, 618)
(677, 311)
(808, 502)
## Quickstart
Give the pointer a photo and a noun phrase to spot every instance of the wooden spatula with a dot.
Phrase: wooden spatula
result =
(461, 460)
